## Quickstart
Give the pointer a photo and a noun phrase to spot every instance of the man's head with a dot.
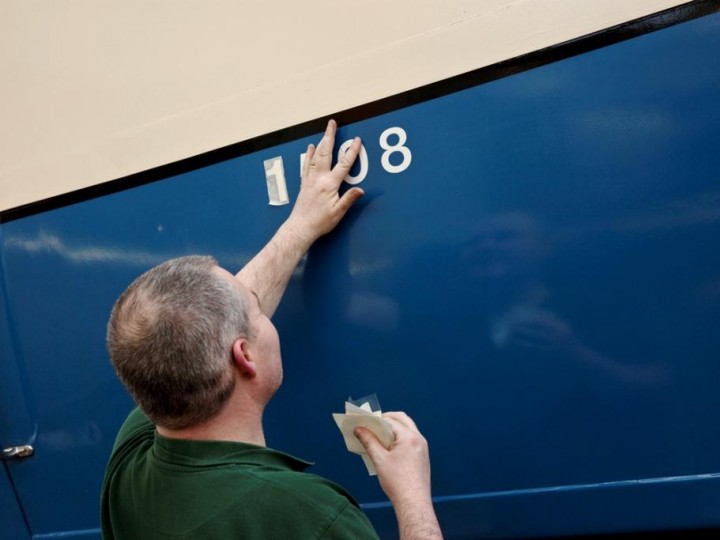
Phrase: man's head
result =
(171, 338)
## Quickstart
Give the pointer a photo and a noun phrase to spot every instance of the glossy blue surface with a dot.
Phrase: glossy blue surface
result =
(539, 289)
(11, 519)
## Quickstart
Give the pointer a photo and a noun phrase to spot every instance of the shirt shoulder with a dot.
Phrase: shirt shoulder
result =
(296, 504)
(135, 424)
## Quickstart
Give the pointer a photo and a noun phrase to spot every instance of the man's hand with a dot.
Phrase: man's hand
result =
(319, 206)
(404, 474)
(318, 209)
(404, 468)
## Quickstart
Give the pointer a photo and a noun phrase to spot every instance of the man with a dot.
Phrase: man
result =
(195, 347)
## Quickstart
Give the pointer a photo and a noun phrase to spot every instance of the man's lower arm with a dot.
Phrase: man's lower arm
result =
(269, 272)
(417, 520)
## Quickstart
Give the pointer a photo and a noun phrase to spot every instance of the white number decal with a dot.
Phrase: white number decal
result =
(362, 157)
(275, 178)
(275, 171)
(392, 148)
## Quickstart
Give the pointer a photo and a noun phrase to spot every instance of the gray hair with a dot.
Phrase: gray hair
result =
(170, 339)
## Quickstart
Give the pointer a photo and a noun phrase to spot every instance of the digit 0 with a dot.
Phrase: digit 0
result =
(363, 158)
(393, 148)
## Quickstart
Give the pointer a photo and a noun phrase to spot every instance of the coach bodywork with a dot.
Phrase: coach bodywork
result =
(533, 274)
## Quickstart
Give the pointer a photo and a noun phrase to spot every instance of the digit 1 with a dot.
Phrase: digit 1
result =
(275, 178)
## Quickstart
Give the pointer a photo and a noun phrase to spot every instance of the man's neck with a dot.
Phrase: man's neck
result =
(234, 424)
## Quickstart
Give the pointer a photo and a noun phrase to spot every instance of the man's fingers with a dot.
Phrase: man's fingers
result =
(345, 163)
(331, 128)
(306, 163)
(323, 153)
(401, 418)
(371, 444)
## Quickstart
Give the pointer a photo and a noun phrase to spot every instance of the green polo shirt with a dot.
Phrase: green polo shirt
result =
(157, 487)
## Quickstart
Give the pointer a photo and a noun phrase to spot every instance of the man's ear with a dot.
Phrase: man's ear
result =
(241, 357)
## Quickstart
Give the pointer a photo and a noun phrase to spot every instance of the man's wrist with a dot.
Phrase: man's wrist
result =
(417, 519)
(296, 235)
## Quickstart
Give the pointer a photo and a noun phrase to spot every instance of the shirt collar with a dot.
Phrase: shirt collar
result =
(193, 453)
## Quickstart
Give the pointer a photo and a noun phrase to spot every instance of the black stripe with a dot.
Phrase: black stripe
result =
(561, 51)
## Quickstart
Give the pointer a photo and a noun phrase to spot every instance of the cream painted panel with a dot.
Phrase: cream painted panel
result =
(92, 91)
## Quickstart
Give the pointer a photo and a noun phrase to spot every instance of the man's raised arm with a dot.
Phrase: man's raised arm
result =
(318, 209)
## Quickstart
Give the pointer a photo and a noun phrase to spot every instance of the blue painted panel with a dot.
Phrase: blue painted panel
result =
(15, 424)
(539, 289)
(11, 519)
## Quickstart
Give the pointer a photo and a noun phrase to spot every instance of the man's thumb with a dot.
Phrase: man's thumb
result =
(349, 198)
(368, 440)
